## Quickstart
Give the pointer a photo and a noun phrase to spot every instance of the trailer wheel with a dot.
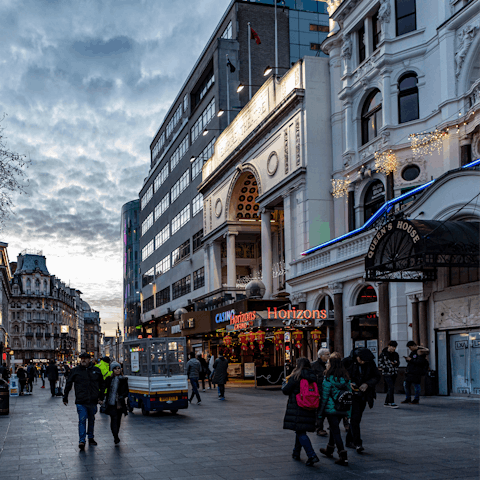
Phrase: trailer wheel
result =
(174, 411)
(145, 411)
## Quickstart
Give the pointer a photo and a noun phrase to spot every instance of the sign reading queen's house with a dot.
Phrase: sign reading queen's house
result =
(268, 97)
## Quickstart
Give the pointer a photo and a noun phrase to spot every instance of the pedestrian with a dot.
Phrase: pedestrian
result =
(67, 370)
(22, 378)
(417, 366)
(388, 362)
(104, 366)
(4, 372)
(299, 419)
(220, 375)
(117, 392)
(193, 373)
(43, 373)
(89, 391)
(210, 361)
(364, 375)
(52, 375)
(318, 368)
(204, 372)
(31, 370)
(335, 386)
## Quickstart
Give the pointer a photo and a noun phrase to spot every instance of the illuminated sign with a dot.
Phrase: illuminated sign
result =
(175, 329)
(64, 329)
(296, 314)
(224, 316)
(243, 321)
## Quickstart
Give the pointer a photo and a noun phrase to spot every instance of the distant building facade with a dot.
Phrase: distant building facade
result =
(93, 333)
(5, 296)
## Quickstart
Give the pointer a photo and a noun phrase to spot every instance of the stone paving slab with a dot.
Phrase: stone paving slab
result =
(240, 439)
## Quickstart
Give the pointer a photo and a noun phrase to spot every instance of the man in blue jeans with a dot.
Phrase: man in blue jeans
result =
(417, 366)
(89, 391)
(194, 368)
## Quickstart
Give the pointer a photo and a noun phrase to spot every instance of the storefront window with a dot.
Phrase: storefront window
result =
(367, 295)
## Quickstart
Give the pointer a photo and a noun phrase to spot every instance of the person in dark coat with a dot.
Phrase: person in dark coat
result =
(22, 378)
(52, 375)
(417, 366)
(364, 375)
(220, 375)
(31, 371)
(298, 419)
(388, 363)
(4, 373)
(204, 371)
(318, 368)
(117, 393)
(89, 391)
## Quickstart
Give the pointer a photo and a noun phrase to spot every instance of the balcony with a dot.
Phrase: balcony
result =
(29, 334)
(56, 335)
(47, 335)
(219, 298)
(39, 335)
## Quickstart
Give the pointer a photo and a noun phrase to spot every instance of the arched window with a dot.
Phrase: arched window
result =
(374, 199)
(326, 303)
(367, 295)
(37, 283)
(17, 329)
(29, 283)
(371, 116)
(408, 98)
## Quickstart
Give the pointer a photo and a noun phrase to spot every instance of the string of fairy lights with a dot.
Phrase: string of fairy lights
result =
(422, 144)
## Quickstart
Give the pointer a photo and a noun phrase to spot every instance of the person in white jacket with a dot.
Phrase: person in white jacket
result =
(211, 361)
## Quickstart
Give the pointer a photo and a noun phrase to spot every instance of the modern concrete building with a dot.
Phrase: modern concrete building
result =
(172, 260)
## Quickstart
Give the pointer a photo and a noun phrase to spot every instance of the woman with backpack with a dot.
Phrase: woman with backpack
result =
(335, 405)
(301, 388)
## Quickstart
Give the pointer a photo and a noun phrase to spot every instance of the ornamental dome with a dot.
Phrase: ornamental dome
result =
(178, 313)
(255, 289)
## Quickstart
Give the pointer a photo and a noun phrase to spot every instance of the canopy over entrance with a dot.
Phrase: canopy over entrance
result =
(411, 250)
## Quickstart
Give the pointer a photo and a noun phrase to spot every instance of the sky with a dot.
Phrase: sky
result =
(85, 86)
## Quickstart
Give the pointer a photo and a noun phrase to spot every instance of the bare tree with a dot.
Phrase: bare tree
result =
(11, 175)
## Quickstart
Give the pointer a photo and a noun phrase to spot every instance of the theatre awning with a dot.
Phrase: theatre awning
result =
(411, 250)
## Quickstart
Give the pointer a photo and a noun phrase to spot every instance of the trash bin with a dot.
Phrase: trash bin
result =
(431, 383)
(4, 398)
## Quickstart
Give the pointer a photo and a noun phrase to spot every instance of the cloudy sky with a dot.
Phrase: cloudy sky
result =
(85, 85)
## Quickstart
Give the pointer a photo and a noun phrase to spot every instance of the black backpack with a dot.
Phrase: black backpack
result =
(344, 398)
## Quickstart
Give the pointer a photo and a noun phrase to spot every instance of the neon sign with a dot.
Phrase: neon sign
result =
(296, 314)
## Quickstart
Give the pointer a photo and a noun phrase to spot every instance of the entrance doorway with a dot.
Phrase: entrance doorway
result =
(465, 363)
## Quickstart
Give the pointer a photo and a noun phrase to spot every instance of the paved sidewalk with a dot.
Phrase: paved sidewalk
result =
(241, 438)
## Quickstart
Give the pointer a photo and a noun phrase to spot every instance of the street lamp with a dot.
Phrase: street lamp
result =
(269, 70)
(221, 111)
(205, 132)
(242, 86)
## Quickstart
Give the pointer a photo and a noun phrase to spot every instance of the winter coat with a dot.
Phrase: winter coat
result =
(21, 374)
(193, 368)
(4, 373)
(367, 373)
(318, 368)
(416, 367)
(296, 418)
(89, 385)
(211, 361)
(220, 371)
(332, 388)
(122, 394)
(204, 370)
(31, 371)
(52, 372)
(388, 362)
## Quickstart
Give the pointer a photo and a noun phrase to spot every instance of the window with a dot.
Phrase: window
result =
(185, 103)
(197, 204)
(314, 46)
(367, 295)
(161, 177)
(371, 116)
(162, 206)
(147, 224)
(405, 16)
(206, 153)
(181, 219)
(181, 252)
(227, 33)
(162, 237)
(319, 28)
(361, 45)
(148, 304)
(180, 186)
(29, 344)
(197, 240)
(179, 153)
(163, 296)
(147, 250)
(410, 173)
(203, 120)
(158, 146)
(162, 266)
(147, 197)
(376, 30)
(174, 120)
(374, 198)
(180, 288)
(199, 278)
(408, 98)
(39, 344)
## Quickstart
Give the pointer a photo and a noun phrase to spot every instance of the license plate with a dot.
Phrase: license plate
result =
(169, 399)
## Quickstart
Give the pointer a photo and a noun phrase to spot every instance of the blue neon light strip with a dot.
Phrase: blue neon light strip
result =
(472, 164)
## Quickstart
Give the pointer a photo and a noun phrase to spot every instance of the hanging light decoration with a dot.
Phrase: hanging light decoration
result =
(340, 187)
(297, 336)
(278, 338)
(251, 339)
(386, 162)
(260, 337)
(227, 340)
(426, 143)
(242, 338)
(316, 335)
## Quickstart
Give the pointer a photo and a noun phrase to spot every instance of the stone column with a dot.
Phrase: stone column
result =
(231, 260)
(367, 23)
(206, 261)
(386, 104)
(423, 320)
(383, 316)
(267, 253)
(216, 262)
(351, 207)
(337, 290)
(349, 129)
(415, 326)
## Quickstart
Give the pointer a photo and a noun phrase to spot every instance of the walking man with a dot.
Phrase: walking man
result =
(22, 378)
(388, 363)
(364, 375)
(417, 366)
(220, 375)
(318, 368)
(89, 391)
(193, 373)
(31, 372)
(52, 375)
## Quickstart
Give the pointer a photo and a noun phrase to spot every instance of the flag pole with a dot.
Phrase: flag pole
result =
(276, 41)
(228, 92)
(249, 64)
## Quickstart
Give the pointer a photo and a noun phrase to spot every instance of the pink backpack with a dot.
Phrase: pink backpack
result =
(308, 398)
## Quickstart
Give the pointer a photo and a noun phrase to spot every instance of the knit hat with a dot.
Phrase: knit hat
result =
(113, 365)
